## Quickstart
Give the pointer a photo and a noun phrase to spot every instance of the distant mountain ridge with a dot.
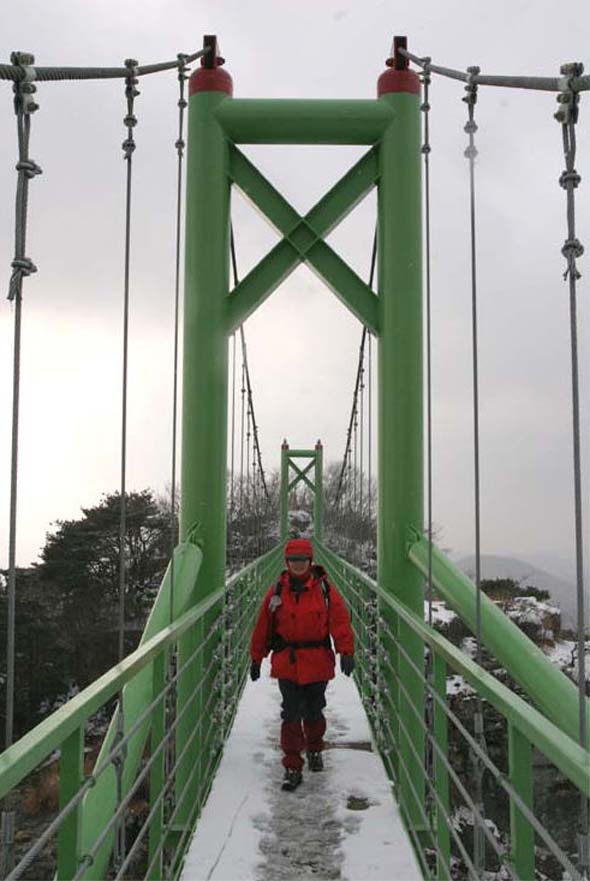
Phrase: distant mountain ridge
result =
(562, 591)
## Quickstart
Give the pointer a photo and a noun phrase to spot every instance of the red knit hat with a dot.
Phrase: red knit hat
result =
(298, 549)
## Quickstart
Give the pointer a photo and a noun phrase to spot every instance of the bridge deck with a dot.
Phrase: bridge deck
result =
(342, 823)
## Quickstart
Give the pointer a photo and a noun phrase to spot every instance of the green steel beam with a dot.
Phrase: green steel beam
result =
(205, 384)
(284, 503)
(522, 834)
(298, 479)
(301, 474)
(301, 454)
(303, 241)
(318, 501)
(71, 776)
(400, 457)
(264, 121)
(540, 678)
(315, 486)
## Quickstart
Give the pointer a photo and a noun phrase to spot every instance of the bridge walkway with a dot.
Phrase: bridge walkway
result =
(341, 823)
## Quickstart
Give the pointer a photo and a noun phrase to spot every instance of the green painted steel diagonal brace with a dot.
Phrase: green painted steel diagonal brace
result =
(301, 475)
(303, 240)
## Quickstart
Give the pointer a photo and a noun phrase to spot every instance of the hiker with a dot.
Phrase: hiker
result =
(298, 616)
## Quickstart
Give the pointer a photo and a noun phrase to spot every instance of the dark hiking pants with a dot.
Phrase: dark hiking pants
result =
(303, 721)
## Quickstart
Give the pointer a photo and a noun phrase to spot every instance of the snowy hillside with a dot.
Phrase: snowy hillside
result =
(562, 591)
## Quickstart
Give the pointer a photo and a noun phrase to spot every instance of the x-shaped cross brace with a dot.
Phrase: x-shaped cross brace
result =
(301, 474)
(303, 241)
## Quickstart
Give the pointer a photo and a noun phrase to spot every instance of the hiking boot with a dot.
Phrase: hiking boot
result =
(292, 779)
(315, 761)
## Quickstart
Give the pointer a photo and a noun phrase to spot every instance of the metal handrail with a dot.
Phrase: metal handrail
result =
(27, 753)
(562, 750)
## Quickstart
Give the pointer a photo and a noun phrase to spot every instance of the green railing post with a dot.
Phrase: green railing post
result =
(441, 774)
(400, 394)
(520, 763)
(284, 491)
(71, 775)
(205, 376)
(157, 772)
(318, 498)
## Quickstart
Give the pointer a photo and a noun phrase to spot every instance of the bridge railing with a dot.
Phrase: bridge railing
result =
(142, 752)
(445, 794)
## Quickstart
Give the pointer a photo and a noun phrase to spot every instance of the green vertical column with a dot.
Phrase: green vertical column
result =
(284, 491)
(71, 775)
(205, 379)
(400, 399)
(318, 501)
(520, 763)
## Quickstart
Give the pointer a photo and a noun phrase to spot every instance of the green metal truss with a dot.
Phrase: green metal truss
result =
(315, 464)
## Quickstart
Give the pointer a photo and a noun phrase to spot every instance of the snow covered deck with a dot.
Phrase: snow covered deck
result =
(342, 823)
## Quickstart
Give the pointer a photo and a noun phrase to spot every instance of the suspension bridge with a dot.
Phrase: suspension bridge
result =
(178, 694)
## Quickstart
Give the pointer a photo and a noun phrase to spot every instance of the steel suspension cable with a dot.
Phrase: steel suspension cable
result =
(358, 375)
(130, 121)
(56, 74)
(361, 451)
(350, 430)
(355, 455)
(470, 154)
(22, 266)
(369, 428)
(245, 356)
(425, 107)
(232, 497)
(577, 83)
(179, 145)
(425, 150)
(242, 437)
(567, 116)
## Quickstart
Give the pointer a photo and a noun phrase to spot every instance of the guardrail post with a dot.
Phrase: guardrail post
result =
(157, 772)
(520, 764)
(400, 399)
(205, 371)
(284, 491)
(441, 774)
(71, 776)
(318, 496)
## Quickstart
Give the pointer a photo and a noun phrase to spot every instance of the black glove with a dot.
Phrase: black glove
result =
(254, 671)
(346, 664)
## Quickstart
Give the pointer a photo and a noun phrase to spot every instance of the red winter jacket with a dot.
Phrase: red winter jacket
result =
(306, 618)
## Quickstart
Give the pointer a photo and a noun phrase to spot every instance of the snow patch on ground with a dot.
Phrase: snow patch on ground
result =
(564, 653)
(457, 685)
(440, 613)
(342, 823)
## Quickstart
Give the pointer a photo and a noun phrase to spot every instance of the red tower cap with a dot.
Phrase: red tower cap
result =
(397, 77)
(210, 77)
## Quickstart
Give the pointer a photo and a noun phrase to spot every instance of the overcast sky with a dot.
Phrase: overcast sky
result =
(302, 344)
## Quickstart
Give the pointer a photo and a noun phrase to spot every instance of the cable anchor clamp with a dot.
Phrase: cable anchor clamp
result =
(24, 88)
